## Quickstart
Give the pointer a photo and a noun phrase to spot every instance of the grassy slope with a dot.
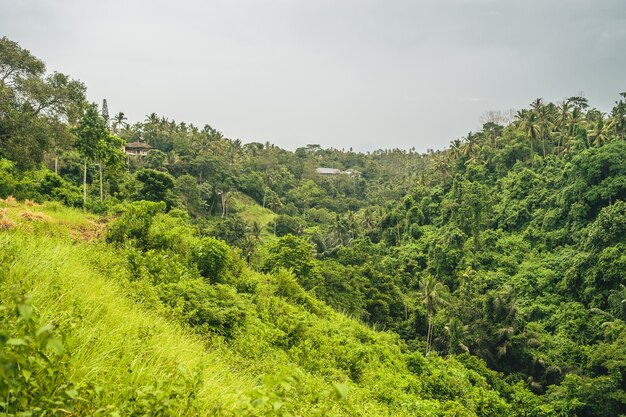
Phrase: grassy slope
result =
(113, 341)
(122, 343)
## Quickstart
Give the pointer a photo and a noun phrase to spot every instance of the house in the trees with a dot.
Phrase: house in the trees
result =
(331, 172)
(328, 171)
(137, 149)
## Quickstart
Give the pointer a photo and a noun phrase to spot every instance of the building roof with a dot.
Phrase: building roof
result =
(328, 171)
(138, 145)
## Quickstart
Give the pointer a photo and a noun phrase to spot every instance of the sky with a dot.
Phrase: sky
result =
(361, 74)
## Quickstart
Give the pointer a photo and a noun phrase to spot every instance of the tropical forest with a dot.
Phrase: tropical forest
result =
(159, 268)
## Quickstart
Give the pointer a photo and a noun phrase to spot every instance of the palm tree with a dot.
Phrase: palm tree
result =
(152, 118)
(119, 120)
(441, 163)
(543, 121)
(456, 332)
(528, 122)
(472, 149)
(432, 292)
(618, 118)
(598, 132)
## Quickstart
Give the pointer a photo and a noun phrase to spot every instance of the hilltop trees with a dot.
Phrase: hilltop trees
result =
(96, 143)
(36, 110)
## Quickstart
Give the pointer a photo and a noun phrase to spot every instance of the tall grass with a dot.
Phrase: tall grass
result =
(114, 343)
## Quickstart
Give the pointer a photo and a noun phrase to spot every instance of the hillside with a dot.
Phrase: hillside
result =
(112, 345)
(212, 277)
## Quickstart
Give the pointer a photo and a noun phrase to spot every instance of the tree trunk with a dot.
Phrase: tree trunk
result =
(428, 335)
(85, 183)
(56, 164)
(223, 204)
(101, 189)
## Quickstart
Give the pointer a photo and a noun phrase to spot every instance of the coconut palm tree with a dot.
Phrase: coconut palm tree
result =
(119, 120)
(598, 133)
(528, 122)
(456, 332)
(432, 293)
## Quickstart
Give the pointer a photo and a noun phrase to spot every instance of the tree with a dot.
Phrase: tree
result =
(90, 133)
(296, 254)
(119, 120)
(109, 153)
(618, 117)
(156, 186)
(528, 122)
(34, 109)
(212, 257)
(432, 292)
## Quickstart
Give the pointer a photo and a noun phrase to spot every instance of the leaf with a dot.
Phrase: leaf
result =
(258, 402)
(341, 390)
(276, 405)
(26, 374)
(25, 311)
(72, 393)
(16, 342)
(44, 329)
(56, 345)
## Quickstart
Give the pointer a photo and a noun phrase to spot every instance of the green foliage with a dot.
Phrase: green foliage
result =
(33, 368)
(156, 186)
(207, 308)
(134, 223)
(295, 254)
(212, 257)
(501, 258)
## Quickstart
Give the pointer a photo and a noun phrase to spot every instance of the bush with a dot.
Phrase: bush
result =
(212, 257)
(208, 308)
(134, 224)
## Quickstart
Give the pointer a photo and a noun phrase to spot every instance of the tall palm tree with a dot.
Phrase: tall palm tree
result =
(432, 293)
(119, 120)
(456, 332)
(618, 118)
(528, 122)
(598, 134)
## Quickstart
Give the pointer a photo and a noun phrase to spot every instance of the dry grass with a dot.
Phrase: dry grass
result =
(31, 216)
(30, 203)
(9, 201)
(6, 224)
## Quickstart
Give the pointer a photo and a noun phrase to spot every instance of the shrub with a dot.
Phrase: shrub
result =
(208, 308)
(134, 223)
(212, 256)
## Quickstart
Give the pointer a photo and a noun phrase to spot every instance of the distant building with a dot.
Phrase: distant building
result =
(328, 171)
(331, 172)
(137, 149)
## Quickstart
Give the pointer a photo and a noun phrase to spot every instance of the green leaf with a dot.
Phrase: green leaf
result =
(45, 329)
(276, 405)
(56, 345)
(258, 402)
(25, 311)
(341, 390)
(26, 374)
(16, 342)
(72, 393)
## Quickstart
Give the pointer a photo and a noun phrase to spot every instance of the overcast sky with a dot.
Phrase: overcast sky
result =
(367, 74)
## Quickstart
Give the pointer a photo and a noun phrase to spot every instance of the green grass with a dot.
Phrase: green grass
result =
(250, 211)
(113, 341)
